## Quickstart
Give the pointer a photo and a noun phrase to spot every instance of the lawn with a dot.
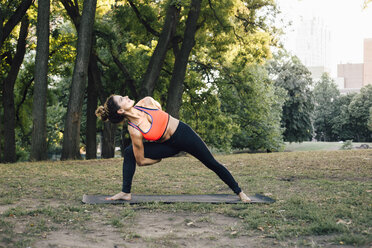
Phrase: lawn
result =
(319, 146)
(323, 199)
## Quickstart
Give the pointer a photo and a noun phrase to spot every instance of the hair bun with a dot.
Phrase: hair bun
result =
(102, 113)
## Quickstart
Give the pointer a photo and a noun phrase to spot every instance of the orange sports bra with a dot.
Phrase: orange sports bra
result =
(159, 123)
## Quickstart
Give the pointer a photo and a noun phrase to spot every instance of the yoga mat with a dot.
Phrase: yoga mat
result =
(212, 198)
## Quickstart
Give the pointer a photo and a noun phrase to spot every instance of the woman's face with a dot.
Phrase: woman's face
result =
(124, 102)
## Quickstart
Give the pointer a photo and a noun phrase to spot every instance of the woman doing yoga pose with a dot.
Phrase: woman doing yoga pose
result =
(148, 121)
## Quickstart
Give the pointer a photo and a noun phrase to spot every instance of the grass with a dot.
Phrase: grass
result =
(319, 194)
(319, 146)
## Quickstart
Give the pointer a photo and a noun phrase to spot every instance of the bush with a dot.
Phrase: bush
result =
(348, 145)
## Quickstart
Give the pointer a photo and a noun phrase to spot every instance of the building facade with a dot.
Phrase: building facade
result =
(355, 76)
(367, 59)
(313, 41)
(352, 75)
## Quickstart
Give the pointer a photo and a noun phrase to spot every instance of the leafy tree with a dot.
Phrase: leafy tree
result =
(225, 55)
(71, 139)
(255, 106)
(202, 110)
(325, 94)
(13, 42)
(289, 74)
(122, 54)
(220, 36)
(8, 94)
(359, 112)
(370, 119)
(343, 128)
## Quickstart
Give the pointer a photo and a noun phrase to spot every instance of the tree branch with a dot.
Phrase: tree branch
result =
(72, 11)
(28, 85)
(14, 20)
(126, 73)
(143, 21)
(220, 22)
(102, 62)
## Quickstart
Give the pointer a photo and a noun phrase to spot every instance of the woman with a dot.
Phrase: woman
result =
(147, 121)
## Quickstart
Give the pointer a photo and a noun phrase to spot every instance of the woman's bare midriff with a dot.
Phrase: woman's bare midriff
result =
(171, 128)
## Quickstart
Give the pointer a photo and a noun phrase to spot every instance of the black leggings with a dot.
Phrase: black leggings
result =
(184, 139)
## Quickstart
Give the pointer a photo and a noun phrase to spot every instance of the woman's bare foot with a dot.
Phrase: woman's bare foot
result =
(120, 196)
(244, 197)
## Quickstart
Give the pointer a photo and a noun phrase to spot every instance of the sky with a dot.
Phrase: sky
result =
(348, 22)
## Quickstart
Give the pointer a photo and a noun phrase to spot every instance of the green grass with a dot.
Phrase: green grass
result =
(319, 194)
(319, 146)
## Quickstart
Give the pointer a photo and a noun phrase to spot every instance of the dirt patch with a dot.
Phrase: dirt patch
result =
(157, 229)
(4, 208)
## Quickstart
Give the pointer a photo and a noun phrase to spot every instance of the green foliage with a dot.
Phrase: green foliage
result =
(370, 119)
(343, 126)
(347, 145)
(55, 124)
(345, 117)
(325, 94)
(202, 110)
(255, 105)
(289, 74)
(359, 112)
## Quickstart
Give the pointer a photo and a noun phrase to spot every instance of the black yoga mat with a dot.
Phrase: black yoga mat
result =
(214, 198)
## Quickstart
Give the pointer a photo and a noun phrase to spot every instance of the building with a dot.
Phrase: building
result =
(367, 59)
(352, 75)
(355, 76)
(313, 39)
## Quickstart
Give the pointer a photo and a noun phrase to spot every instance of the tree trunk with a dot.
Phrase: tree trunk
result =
(8, 95)
(39, 131)
(157, 58)
(91, 131)
(175, 91)
(71, 136)
(108, 141)
(1, 138)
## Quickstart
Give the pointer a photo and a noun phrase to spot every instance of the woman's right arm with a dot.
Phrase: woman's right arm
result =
(138, 149)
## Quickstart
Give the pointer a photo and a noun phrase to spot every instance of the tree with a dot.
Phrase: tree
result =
(343, 127)
(158, 57)
(325, 94)
(255, 105)
(39, 129)
(8, 94)
(295, 78)
(370, 119)
(71, 137)
(175, 91)
(11, 15)
(359, 111)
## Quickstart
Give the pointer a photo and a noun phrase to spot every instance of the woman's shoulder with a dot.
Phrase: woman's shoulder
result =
(148, 102)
